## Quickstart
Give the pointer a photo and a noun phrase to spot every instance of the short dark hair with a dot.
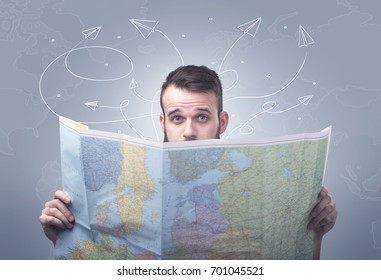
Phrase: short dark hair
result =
(194, 79)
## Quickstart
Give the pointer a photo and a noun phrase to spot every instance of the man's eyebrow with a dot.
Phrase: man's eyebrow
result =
(206, 110)
(173, 112)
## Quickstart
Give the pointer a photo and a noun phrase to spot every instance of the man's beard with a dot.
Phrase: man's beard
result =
(216, 136)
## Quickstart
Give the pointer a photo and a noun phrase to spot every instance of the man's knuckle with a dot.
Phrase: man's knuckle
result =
(331, 207)
(42, 219)
(51, 212)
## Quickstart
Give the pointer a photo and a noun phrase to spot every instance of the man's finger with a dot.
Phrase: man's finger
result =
(48, 221)
(56, 217)
(324, 201)
(62, 207)
(61, 195)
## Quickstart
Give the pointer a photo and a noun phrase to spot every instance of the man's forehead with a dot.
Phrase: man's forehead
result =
(174, 97)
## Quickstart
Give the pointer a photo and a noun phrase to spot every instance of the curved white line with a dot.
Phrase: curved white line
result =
(285, 110)
(145, 99)
(246, 123)
(236, 80)
(271, 94)
(43, 73)
(121, 120)
(152, 114)
(98, 80)
(223, 60)
(111, 107)
(126, 120)
(58, 57)
(182, 60)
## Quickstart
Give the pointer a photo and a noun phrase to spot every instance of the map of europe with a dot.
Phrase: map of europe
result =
(212, 199)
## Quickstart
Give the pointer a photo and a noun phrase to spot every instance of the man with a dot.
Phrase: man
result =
(191, 102)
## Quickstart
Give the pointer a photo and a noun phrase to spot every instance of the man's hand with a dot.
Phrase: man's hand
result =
(56, 215)
(324, 216)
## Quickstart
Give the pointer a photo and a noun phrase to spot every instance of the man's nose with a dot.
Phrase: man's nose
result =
(189, 130)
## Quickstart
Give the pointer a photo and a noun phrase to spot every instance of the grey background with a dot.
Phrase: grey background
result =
(341, 71)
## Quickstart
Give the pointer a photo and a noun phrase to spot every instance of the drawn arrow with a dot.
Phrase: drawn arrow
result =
(304, 38)
(146, 27)
(273, 93)
(267, 108)
(91, 33)
(246, 28)
(134, 85)
(303, 100)
(94, 104)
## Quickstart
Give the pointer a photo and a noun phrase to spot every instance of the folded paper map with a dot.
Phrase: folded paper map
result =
(209, 199)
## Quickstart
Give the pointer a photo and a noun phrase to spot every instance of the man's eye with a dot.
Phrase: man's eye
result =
(176, 119)
(202, 118)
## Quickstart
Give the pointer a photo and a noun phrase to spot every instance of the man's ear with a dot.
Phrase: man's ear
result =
(224, 121)
(162, 121)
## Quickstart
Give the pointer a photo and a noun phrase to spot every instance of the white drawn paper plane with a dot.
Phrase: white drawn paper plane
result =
(133, 84)
(246, 27)
(304, 38)
(305, 99)
(91, 33)
(92, 105)
(145, 27)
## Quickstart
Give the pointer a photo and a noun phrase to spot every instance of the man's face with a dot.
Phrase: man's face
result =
(191, 115)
